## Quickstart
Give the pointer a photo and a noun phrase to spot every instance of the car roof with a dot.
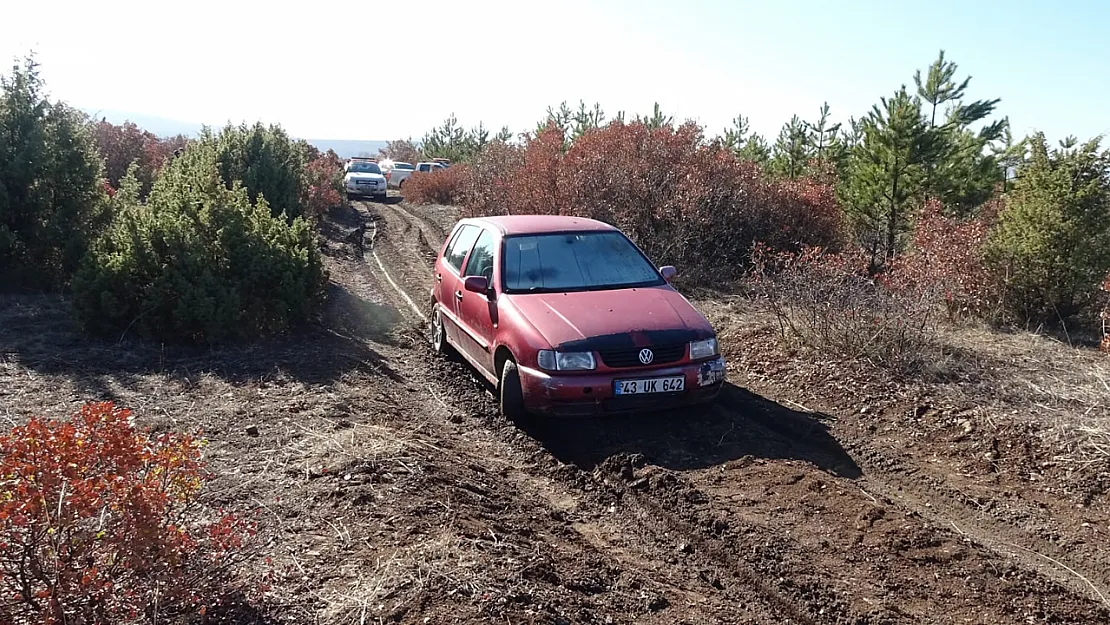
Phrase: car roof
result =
(539, 224)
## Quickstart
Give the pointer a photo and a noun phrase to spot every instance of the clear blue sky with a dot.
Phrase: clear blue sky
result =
(385, 70)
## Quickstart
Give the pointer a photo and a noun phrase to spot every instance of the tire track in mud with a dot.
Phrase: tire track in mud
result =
(592, 523)
(626, 585)
(1086, 573)
(664, 533)
(738, 553)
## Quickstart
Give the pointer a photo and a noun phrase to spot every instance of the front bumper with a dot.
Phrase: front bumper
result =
(365, 189)
(592, 393)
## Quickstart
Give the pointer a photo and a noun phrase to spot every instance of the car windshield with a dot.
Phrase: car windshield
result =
(574, 261)
(365, 168)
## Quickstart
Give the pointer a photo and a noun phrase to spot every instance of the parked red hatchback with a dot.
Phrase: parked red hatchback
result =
(566, 316)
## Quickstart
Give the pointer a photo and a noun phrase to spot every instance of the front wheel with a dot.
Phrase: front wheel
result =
(512, 394)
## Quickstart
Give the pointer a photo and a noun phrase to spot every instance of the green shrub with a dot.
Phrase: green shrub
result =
(267, 163)
(1051, 247)
(199, 261)
(51, 194)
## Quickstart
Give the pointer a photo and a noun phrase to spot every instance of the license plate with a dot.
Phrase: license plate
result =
(673, 384)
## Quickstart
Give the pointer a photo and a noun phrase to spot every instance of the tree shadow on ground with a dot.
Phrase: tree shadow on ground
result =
(237, 609)
(39, 332)
(740, 424)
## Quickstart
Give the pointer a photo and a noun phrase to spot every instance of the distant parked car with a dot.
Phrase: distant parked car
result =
(398, 177)
(567, 317)
(364, 178)
(403, 170)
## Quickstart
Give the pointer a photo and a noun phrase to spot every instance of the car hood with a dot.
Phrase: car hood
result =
(592, 320)
(363, 175)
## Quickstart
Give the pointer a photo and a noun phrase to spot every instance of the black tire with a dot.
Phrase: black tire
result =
(439, 335)
(512, 394)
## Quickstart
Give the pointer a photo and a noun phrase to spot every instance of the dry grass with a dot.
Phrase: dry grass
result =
(1066, 388)
(1022, 376)
(443, 563)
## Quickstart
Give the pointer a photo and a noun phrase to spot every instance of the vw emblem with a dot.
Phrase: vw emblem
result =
(646, 356)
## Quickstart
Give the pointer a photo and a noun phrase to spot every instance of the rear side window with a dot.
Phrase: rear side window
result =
(458, 248)
(425, 168)
(481, 259)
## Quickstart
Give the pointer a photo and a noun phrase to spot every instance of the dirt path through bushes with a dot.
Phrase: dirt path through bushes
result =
(763, 510)
(388, 489)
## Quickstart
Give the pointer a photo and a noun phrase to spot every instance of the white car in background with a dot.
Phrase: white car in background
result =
(397, 177)
(364, 178)
(396, 171)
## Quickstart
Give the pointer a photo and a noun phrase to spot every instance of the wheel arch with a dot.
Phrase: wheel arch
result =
(500, 355)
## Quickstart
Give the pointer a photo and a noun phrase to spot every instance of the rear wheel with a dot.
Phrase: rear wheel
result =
(512, 394)
(439, 335)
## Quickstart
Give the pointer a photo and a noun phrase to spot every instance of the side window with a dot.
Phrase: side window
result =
(456, 252)
(451, 243)
(480, 262)
(424, 168)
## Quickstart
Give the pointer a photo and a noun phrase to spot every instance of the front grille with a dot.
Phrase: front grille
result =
(630, 356)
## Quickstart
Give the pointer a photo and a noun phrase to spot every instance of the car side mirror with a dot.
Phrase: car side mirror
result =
(668, 272)
(476, 284)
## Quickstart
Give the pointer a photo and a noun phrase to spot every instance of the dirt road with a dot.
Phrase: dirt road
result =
(388, 490)
(757, 512)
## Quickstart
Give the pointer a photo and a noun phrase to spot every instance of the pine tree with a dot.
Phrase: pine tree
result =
(791, 151)
(657, 119)
(963, 173)
(736, 136)
(886, 173)
(52, 200)
(747, 146)
(756, 150)
(587, 119)
(822, 135)
(1052, 242)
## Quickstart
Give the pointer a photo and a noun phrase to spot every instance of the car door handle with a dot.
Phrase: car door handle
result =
(439, 278)
(458, 294)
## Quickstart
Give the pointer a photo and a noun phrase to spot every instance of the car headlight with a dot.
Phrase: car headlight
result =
(704, 348)
(566, 361)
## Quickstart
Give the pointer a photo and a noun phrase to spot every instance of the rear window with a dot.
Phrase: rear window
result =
(574, 261)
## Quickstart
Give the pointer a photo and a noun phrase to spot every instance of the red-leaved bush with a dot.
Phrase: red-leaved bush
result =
(437, 187)
(947, 256)
(96, 526)
(322, 189)
(119, 146)
(683, 200)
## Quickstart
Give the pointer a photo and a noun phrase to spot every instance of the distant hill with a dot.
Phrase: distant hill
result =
(160, 126)
(164, 127)
(346, 148)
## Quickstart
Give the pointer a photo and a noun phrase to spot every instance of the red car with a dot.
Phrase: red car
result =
(567, 317)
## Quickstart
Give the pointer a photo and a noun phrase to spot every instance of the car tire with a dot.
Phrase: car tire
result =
(401, 185)
(439, 335)
(512, 393)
